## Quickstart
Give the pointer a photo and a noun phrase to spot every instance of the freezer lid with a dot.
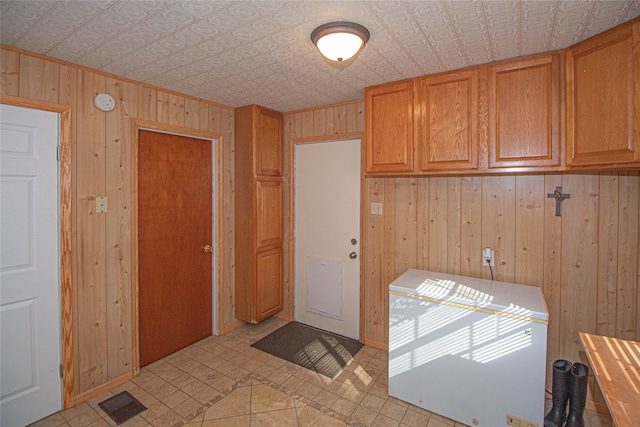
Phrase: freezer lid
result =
(501, 297)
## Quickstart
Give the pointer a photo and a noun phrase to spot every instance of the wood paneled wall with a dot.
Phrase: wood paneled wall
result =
(101, 166)
(586, 261)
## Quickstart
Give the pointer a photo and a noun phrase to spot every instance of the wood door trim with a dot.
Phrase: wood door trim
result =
(66, 282)
(136, 126)
(325, 138)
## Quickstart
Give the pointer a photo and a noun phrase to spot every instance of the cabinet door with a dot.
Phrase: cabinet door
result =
(447, 129)
(268, 282)
(268, 212)
(389, 127)
(268, 145)
(524, 113)
(602, 73)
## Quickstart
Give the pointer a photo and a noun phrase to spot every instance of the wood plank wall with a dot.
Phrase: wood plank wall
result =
(101, 166)
(586, 261)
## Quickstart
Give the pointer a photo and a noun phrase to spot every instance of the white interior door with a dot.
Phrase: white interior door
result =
(31, 386)
(327, 236)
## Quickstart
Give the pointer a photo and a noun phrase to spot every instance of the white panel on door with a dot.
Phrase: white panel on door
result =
(324, 287)
(17, 141)
(19, 370)
(16, 195)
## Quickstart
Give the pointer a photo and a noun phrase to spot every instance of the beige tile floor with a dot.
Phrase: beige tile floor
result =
(223, 381)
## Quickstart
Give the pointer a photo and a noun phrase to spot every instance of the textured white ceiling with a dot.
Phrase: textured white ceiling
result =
(240, 52)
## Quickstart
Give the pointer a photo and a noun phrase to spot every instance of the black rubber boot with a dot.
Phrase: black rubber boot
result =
(559, 393)
(577, 395)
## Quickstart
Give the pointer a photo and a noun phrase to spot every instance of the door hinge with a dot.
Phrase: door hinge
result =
(61, 373)
(58, 153)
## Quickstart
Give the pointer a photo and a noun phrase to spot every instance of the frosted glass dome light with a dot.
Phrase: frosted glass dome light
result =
(339, 41)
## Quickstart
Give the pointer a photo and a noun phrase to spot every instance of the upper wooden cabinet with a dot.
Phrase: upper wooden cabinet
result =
(603, 99)
(524, 112)
(389, 127)
(446, 111)
(508, 116)
(266, 126)
(261, 134)
(268, 129)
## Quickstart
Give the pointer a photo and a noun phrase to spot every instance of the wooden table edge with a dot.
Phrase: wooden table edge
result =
(584, 339)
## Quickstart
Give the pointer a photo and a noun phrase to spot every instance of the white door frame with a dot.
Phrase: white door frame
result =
(64, 233)
(291, 285)
(217, 223)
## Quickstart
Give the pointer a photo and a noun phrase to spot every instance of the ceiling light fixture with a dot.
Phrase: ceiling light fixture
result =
(339, 41)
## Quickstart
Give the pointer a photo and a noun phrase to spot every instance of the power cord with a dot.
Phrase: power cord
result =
(490, 268)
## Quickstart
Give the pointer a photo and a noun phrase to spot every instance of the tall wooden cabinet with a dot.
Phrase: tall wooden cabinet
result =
(258, 213)
(603, 99)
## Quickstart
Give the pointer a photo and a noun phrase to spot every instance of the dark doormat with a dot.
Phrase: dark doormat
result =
(311, 348)
(122, 407)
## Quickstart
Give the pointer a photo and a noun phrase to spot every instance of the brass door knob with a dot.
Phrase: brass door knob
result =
(208, 249)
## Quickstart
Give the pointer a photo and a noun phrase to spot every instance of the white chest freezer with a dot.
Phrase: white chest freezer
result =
(469, 349)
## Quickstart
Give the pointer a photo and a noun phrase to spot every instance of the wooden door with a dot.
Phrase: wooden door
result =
(447, 129)
(174, 226)
(389, 127)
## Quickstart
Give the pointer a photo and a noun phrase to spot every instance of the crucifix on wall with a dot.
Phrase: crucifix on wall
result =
(559, 196)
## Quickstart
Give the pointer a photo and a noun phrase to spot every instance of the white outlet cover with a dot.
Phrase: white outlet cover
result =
(104, 102)
(102, 205)
(491, 257)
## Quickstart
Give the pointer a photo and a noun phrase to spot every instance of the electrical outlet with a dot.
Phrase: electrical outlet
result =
(376, 208)
(487, 256)
(513, 421)
(102, 205)
(519, 422)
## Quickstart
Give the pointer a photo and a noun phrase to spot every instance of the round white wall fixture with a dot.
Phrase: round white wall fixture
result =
(104, 102)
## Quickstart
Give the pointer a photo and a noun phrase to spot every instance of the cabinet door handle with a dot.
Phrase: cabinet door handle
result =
(208, 249)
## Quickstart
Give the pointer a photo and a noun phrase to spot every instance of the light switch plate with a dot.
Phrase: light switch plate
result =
(376, 208)
(102, 205)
